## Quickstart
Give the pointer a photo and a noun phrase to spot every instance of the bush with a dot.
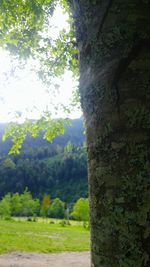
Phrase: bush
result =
(81, 210)
(52, 222)
(57, 209)
(63, 223)
(29, 219)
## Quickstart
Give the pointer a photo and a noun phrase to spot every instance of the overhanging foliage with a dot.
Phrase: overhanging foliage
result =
(24, 31)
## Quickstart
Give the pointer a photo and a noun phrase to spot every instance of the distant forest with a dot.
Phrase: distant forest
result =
(58, 168)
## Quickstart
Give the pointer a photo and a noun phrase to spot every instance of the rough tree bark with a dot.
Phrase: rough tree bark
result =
(113, 38)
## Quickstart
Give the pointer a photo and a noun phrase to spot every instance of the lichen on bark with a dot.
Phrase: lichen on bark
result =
(113, 40)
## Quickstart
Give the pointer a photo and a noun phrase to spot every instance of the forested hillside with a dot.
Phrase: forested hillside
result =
(57, 168)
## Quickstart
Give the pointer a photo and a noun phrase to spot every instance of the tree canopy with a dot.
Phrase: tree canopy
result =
(25, 33)
(81, 210)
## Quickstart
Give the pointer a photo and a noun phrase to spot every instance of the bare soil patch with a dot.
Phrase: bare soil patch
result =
(64, 259)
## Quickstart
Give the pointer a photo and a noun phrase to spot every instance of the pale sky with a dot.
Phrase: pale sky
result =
(26, 94)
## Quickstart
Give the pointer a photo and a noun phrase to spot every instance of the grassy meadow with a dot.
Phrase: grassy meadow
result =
(42, 236)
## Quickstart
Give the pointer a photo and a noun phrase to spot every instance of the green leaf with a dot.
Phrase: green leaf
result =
(18, 132)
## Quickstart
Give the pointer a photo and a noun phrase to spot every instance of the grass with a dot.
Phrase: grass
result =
(41, 236)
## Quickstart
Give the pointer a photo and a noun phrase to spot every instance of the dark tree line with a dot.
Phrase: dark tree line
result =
(58, 169)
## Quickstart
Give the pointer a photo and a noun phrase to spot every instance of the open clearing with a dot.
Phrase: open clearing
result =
(42, 237)
(43, 244)
(64, 259)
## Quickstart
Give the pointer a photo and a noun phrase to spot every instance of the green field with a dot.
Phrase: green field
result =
(42, 236)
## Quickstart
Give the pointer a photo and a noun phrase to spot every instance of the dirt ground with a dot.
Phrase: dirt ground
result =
(64, 259)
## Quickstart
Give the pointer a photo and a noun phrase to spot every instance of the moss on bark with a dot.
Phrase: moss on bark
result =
(113, 40)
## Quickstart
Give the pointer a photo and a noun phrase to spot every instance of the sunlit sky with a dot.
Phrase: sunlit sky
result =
(26, 95)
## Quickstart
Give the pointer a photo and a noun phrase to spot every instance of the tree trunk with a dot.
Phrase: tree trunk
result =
(114, 48)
